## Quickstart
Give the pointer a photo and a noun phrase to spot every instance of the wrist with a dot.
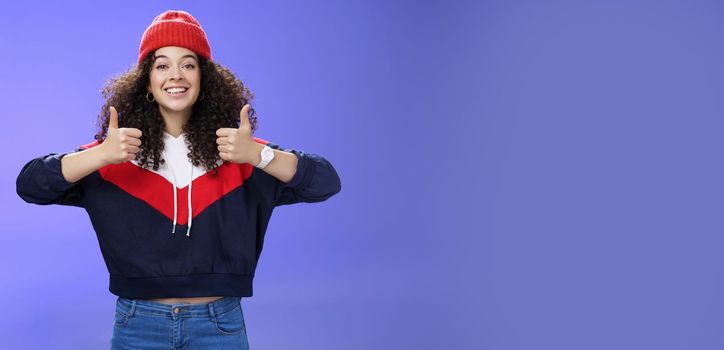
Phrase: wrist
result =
(255, 158)
(102, 154)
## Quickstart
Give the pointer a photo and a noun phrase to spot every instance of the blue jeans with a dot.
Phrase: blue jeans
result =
(145, 324)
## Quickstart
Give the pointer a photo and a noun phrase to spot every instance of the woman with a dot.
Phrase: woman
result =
(179, 192)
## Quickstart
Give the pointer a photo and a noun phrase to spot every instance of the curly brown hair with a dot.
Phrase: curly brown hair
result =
(223, 97)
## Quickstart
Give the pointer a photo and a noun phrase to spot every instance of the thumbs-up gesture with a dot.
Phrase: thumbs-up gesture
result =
(121, 144)
(237, 145)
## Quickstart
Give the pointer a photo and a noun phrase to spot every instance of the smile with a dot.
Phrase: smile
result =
(176, 91)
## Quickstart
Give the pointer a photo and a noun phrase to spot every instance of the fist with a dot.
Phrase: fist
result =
(236, 144)
(121, 144)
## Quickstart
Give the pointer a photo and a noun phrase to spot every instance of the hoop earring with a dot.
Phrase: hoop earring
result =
(203, 94)
(147, 97)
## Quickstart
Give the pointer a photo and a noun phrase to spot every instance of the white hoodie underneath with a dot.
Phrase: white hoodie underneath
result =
(178, 171)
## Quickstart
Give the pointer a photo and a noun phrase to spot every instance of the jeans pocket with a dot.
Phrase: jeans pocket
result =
(122, 316)
(230, 322)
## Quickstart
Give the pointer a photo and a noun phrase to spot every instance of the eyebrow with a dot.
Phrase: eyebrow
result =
(184, 56)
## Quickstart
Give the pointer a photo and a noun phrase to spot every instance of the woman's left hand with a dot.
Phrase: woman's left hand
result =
(237, 145)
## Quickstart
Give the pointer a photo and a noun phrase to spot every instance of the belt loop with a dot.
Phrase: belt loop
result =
(133, 307)
(211, 312)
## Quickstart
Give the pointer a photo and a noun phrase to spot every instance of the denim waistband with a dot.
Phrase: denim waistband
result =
(148, 307)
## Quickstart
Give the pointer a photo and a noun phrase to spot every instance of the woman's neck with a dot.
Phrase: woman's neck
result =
(175, 120)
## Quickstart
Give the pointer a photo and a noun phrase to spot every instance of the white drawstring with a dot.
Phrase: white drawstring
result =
(175, 208)
(175, 197)
(188, 231)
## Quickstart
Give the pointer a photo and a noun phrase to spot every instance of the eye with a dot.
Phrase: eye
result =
(190, 65)
(160, 65)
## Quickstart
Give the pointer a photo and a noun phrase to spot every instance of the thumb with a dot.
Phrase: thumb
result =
(244, 116)
(113, 120)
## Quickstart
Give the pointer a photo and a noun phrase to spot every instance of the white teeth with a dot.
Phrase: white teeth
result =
(176, 90)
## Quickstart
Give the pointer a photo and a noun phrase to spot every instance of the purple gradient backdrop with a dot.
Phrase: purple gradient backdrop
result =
(515, 175)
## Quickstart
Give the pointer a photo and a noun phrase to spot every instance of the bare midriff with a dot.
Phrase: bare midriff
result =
(193, 300)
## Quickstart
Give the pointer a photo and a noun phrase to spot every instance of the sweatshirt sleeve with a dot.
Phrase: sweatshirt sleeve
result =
(41, 182)
(315, 180)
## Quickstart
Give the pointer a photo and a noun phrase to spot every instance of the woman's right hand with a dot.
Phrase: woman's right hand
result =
(121, 144)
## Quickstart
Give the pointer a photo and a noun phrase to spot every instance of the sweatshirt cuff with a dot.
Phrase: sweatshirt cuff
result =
(56, 181)
(301, 176)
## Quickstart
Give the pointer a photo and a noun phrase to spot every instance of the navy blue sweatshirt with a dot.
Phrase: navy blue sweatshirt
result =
(151, 246)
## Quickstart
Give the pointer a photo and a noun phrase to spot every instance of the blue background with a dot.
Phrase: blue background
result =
(515, 174)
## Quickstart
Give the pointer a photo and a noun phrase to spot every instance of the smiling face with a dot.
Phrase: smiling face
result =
(175, 67)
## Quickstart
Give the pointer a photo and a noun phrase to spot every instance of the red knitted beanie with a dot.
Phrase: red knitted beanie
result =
(174, 28)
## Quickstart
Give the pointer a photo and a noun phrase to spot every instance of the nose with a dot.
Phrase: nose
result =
(176, 73)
